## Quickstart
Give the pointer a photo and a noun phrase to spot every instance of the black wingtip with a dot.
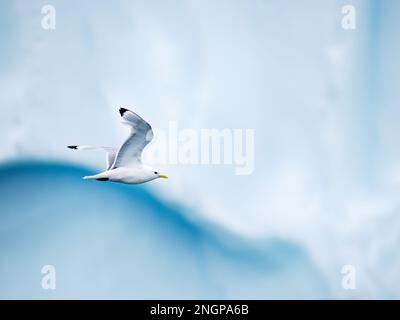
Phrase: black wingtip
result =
(122, 111)
(72, 147)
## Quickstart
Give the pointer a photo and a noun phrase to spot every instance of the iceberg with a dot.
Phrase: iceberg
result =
(110, 241)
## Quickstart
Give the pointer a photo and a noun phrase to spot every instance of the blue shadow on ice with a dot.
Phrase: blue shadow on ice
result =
(117, 241)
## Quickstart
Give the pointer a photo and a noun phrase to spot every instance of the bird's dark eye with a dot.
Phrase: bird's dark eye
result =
(155, 172)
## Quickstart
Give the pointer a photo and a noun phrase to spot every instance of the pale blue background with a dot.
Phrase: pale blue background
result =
(324, 104)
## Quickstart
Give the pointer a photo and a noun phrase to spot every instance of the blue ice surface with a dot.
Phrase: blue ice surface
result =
(115, 241)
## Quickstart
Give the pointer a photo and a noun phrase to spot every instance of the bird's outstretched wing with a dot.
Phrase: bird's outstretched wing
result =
(130, 153)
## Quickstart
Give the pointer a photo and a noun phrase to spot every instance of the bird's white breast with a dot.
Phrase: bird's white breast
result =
(129, 175)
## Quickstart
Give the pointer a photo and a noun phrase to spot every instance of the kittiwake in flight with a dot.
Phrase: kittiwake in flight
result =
(125, 164)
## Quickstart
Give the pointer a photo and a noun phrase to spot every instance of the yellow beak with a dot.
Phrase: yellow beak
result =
(163, 176)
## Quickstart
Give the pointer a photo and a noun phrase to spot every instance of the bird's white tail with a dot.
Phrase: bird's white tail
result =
(89, 178)
(100, 177)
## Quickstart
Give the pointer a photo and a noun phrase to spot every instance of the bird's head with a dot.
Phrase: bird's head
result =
(159, 175)
(152, 173)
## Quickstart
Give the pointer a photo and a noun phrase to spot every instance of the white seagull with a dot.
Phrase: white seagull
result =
(125, 164)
